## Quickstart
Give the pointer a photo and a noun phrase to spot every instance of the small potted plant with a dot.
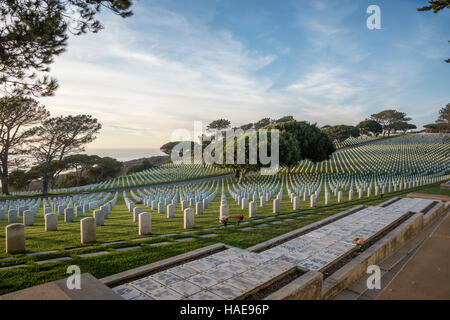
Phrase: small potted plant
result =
(239, 218)
(359, 244)
(224, 220)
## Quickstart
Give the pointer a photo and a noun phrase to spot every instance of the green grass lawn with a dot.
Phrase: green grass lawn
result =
(120, 226)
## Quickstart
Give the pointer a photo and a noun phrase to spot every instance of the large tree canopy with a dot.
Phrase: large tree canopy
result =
(59, 136)
(370, 127)
(389, 119)
(313, 144)
(34, 32)
(341, 132)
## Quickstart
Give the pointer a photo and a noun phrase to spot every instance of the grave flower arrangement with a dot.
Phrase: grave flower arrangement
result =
(239, 218)
(224, 220)
(359, 243)
(138, 202)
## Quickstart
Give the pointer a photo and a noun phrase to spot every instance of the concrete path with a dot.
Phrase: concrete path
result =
(427, 274)
(418, 270)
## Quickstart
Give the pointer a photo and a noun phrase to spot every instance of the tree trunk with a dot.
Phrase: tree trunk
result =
(237, 173)
(288, 169)
(241, 175)
(45, 185)
(5, 187)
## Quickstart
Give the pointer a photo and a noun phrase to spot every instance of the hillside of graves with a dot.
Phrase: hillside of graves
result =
(136, 226)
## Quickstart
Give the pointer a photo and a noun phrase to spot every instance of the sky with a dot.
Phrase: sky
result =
(176, 62)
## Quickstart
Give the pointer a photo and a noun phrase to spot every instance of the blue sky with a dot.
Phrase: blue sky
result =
(175, 62)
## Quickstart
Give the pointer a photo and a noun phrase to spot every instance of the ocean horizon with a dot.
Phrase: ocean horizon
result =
(124, 154)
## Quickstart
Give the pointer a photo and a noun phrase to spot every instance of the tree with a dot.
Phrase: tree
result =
(298, 140)
(105, 168)
(436, 6)
(431, 128)
(68, 181)
(404, 126)
(34, 32)
(290, 153)
(80, 162)
(285, 119)
(370, 127)
(444, 117)
(389, 118)
(313, 144)
(55, 166)
(59, 136)
(341, 132)
(219, 125)
(19, 179)
(17, 115)
(262, 123)
(247, 126)
(167, 147)
(139, 167)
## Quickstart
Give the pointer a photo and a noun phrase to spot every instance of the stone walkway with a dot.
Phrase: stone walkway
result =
(235, 273)
(409, 274)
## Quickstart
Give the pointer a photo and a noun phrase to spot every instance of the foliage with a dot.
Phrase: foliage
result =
(220, 124)
(342, 132)
(19, 179)
(444, 117)
(104, 168)
(262, 123)
(139, 167)
(34, 32)
(371, 127)
(313, 144)
(17, 115)
(168, 147)
(389, 119)
(59, 136)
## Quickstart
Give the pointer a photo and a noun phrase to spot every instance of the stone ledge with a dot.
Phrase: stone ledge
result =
(306, 287)
(91, 289)
(438, 210)
(428, 196)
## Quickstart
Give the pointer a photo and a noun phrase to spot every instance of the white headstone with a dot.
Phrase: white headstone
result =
(15, 238)
(252, 209)
(170, 211)
(136, 212)
(51, 222)
(88, 230)
(99, 218)
(28, 218)
(276, 205)
(145, 223)
(188, 218)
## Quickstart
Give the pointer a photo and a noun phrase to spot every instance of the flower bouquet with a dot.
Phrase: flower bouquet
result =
(239, 218)
(359, 244)
(224, 220)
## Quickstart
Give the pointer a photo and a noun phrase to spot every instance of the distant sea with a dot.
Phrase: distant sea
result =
(124, 154)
